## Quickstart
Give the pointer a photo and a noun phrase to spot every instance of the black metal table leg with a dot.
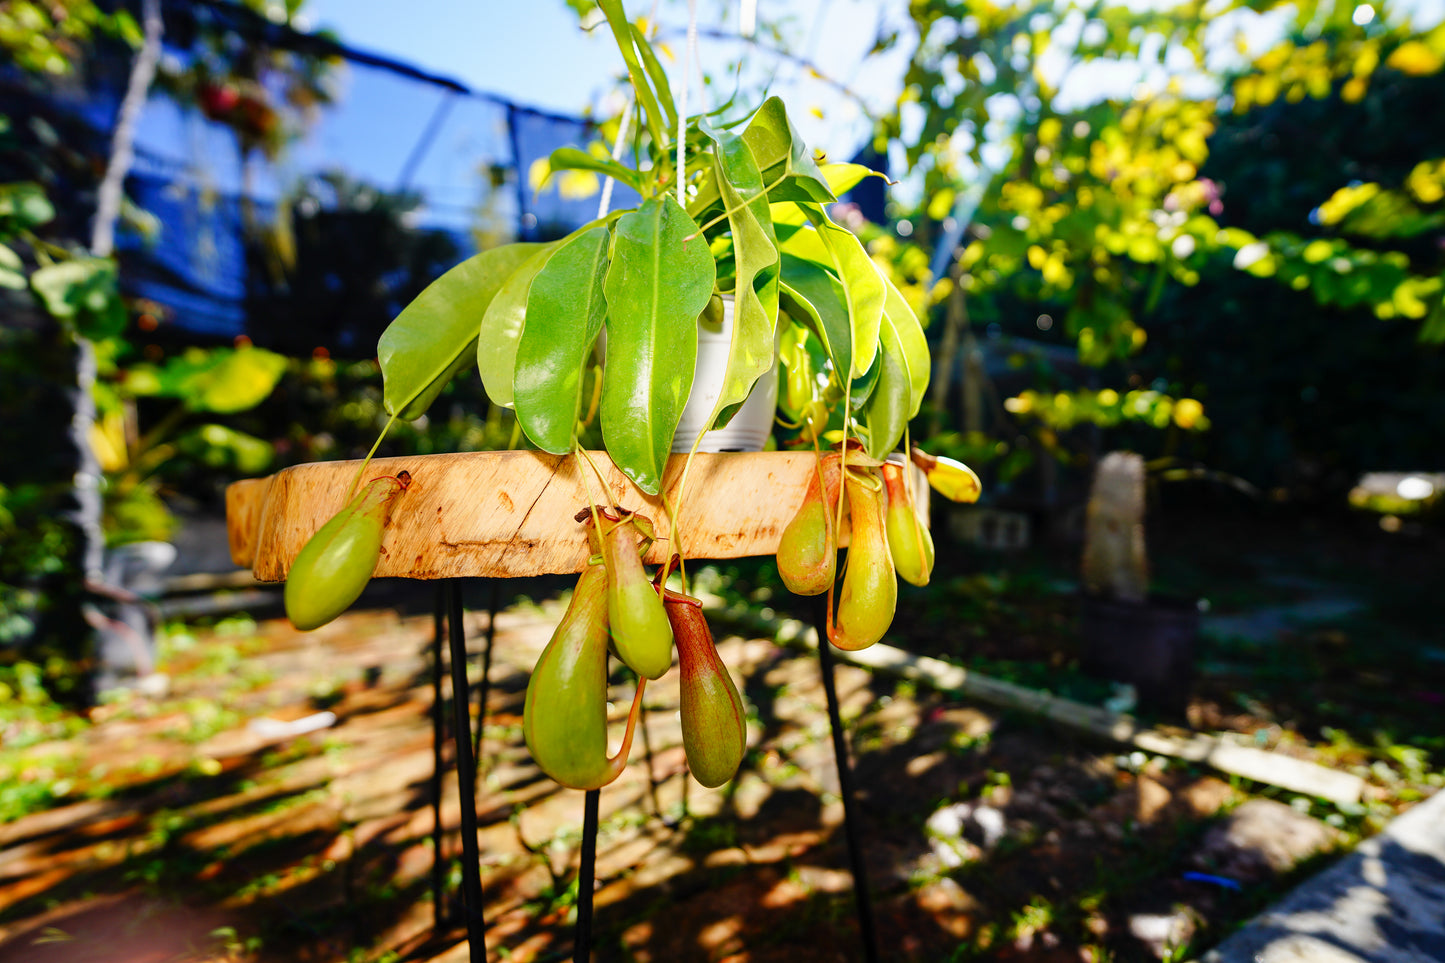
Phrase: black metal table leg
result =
(494, 602)
(586, 879)
(438, 872)
(466, 778)
(845, 789)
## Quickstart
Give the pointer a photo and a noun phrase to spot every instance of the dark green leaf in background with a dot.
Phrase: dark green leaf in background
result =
(25, 204)
(12, 270)
(82, 290)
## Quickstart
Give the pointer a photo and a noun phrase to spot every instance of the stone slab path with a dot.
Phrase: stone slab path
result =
(1384, 903)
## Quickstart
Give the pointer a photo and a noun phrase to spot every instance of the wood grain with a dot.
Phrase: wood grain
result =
(510, 513)
(244, 502)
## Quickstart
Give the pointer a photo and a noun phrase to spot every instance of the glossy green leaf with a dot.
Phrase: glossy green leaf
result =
(572, 159)
(435, 336)
(501, 327)
(784, 158)
(565, 308)
(886, 413)
(755, 256)
(815, 298)
(657, 285)
(913, 343)
(862, 284)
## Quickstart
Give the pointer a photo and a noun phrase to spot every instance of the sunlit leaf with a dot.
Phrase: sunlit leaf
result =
(657, 285)
(755, 258)
(842, 178)
(912, 343)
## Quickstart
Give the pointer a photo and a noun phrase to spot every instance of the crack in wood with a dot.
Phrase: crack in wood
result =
(513, 542)
(545, 485)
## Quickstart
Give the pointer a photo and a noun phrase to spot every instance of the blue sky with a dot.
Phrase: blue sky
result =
(534, 52)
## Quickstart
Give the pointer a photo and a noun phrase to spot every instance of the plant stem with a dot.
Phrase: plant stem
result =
(733, 210)
(356, 482)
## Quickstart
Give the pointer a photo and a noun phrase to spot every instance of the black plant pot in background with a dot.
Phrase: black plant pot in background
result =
(1149, 645)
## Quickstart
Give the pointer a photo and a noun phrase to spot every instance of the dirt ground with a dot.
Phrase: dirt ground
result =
(195, 826)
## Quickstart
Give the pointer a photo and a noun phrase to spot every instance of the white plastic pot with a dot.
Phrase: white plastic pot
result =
(753, 423)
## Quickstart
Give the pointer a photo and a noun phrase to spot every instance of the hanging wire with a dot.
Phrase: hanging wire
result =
(607, 182)
(689, 58)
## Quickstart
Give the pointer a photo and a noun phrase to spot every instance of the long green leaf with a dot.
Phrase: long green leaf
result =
(886, 414)
(815, 298)
(435, 336)
(755, 254)
(572, 159)
(657, 285)
(913, 343)
(652, 113)
(565, 308)
(657, 75)
(862, 283)
(501, 327)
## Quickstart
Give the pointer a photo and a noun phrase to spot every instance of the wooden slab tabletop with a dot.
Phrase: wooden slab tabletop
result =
(510, 513)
